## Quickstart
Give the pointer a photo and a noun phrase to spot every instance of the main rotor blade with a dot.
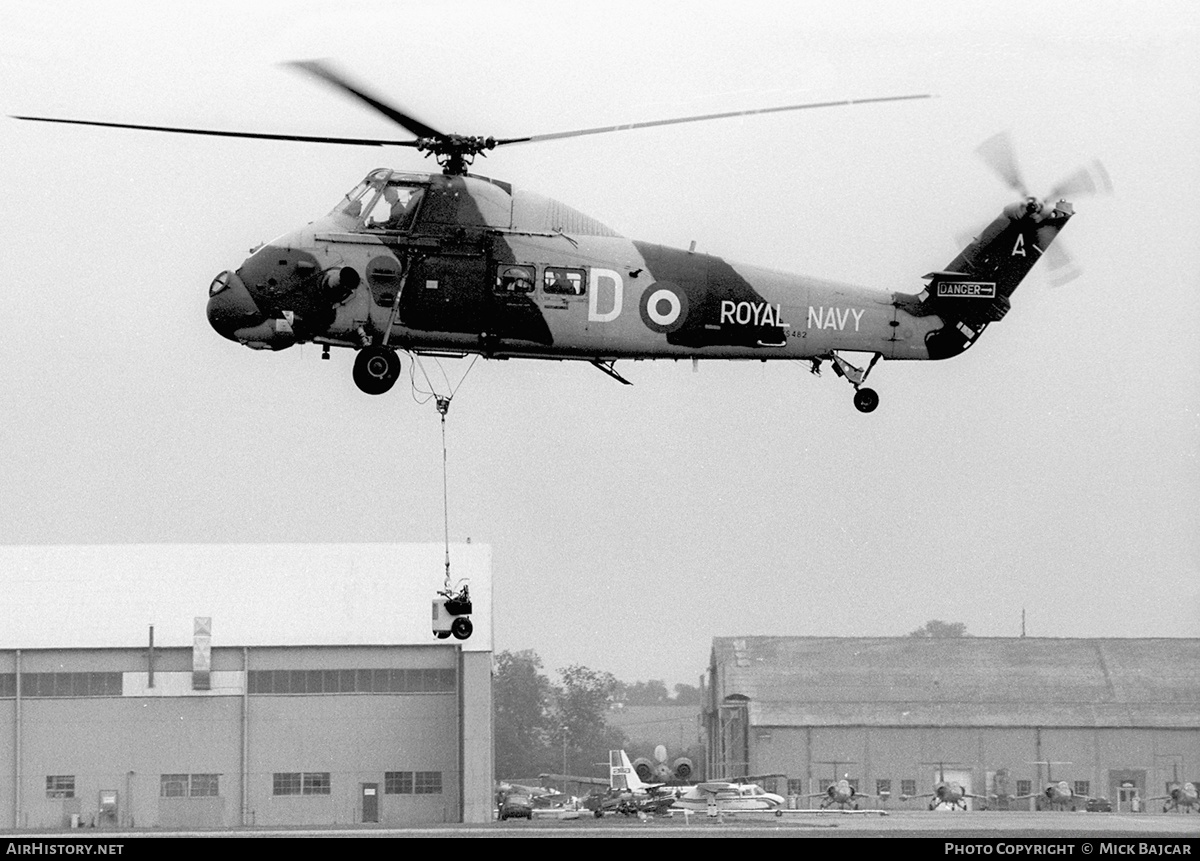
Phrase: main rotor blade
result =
(225, 134)
(997, 153)
(701, 117)
(327, 74)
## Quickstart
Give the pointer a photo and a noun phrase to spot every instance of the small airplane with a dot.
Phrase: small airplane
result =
(946, 792)
(721, 796)
(1182, 797)
(456, 264)
(662, 771)
(534, 792)
(841, 792)
(624, 793)
(1055, 795)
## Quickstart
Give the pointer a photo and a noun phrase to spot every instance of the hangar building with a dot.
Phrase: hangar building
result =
(226, 685)
(1001, 716)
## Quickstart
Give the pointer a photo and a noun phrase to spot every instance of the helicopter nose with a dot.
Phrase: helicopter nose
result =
(230, 306)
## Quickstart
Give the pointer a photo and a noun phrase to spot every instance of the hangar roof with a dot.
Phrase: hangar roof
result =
(106, 596)
(968, 681)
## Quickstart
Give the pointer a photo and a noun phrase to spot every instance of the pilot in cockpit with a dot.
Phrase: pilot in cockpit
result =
(395, 209)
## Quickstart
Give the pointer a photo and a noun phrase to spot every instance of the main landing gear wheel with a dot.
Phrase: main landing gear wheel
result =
(866, 400)
(376, 369)
(461, 628)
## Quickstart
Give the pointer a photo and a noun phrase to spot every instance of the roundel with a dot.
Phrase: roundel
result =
(664, 307)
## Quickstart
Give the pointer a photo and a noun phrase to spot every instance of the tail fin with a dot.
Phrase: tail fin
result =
(974, 289)
(621, 774)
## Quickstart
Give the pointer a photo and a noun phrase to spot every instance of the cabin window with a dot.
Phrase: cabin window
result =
(514, 279)
(394, 208)
(558, 281)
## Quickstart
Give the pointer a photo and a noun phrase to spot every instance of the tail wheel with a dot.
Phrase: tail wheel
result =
(866, 400)
(376, 369)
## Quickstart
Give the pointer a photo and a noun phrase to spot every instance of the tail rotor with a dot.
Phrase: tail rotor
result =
(998, 153)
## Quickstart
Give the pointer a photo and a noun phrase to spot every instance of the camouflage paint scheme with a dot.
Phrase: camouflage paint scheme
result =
(335, 282)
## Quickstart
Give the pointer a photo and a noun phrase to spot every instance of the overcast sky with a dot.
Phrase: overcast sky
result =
(1053, 467)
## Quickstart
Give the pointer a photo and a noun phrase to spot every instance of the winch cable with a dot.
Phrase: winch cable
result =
(426, 394)
(443, 406)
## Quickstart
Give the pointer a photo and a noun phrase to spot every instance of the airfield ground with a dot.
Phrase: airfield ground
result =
(992, 824)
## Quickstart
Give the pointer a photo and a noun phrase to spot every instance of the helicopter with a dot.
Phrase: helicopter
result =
(456, 264)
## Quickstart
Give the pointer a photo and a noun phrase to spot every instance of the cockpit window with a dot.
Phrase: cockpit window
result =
(352, 203)
(394, 208)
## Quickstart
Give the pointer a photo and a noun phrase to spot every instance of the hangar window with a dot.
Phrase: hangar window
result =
(189, 786)
(60, 786)
(286, 783)
(301, 783)
(366, 681)
(1083, 787)
(173, 786)
(8, 684)
(71, 684)
(908, 787)
(883, 788)
(316, 783)
(795, 786)
(204, 786)
(427, 783)
(398, 783)
(1024, 787)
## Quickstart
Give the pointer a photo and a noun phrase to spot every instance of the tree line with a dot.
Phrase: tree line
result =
(561, 726)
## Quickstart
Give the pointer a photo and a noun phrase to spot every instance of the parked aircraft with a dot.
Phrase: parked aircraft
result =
(625, 792)
(1055, 795)
(534, 792)
(841, 792)
(714, 796)
(1181, 797)
(661, 770)
(946, 792)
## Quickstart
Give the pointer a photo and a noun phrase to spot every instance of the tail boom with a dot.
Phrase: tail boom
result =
(974, 289)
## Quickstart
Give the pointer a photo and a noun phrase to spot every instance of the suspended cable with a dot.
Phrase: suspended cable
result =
(442, 403)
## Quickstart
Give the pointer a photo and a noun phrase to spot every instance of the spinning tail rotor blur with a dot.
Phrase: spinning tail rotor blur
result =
(998, 153)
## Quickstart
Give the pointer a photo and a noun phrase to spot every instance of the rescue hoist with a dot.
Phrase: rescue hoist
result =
(452, 604)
